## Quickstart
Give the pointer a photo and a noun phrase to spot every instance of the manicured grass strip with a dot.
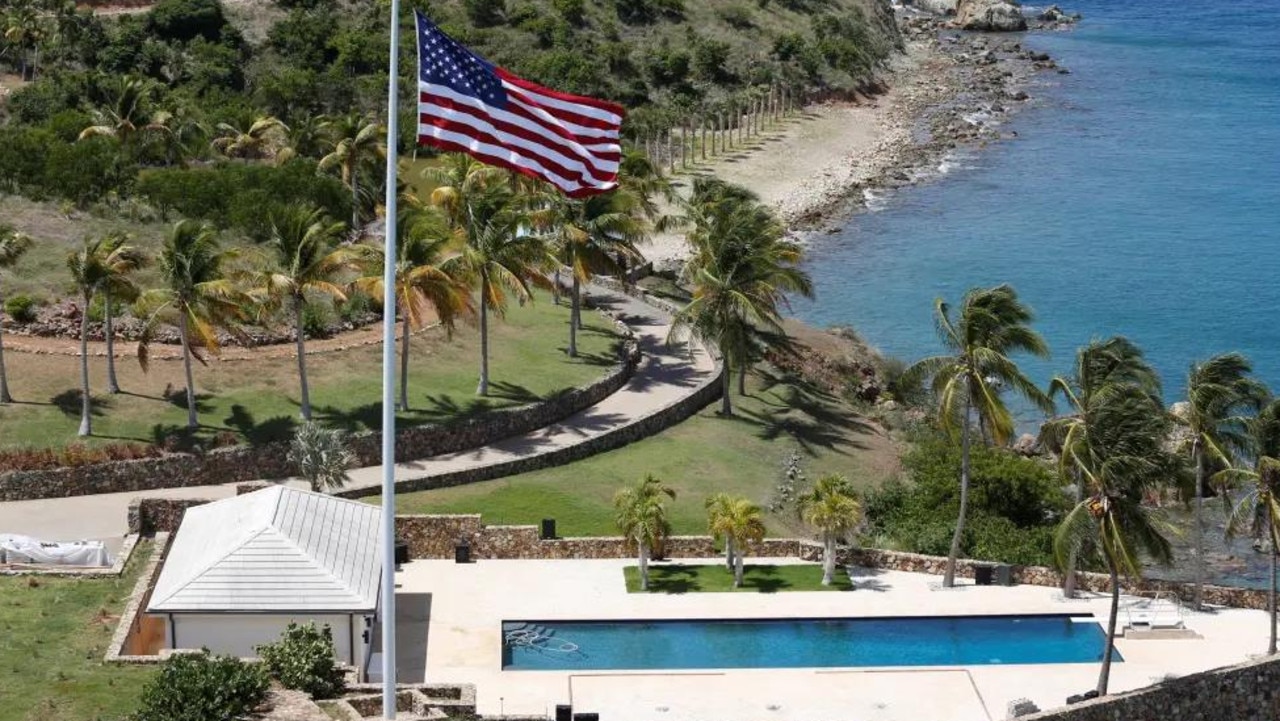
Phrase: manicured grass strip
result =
(705, 454)
(54, 632)
(715, 578)
(257, 400)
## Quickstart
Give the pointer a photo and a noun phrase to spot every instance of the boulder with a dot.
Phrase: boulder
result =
(990, 15)
(1054, 14)
(937, 7)
(1026, 445)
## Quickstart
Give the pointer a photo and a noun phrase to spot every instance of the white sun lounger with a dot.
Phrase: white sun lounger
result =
(1155, 612)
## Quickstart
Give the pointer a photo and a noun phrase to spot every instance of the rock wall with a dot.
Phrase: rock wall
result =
(1245, 692)
(434, 536)
(244, 463)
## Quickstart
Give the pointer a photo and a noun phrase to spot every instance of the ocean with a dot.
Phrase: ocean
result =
(1140, 197)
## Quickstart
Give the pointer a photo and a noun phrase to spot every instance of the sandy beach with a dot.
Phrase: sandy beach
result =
(947, 90)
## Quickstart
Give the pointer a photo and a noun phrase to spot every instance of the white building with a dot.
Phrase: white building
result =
(240, 569)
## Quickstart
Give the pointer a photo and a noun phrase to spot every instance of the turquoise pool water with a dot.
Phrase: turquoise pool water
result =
(801, 643)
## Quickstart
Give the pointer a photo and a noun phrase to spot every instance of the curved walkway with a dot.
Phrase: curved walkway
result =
(667, 375)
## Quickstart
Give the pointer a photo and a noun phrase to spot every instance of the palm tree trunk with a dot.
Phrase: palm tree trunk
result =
(355, 201)
(404, 366)
(86, 402)
(1198, 459)
(742, 380)
(728, 553)
(828, 558)
(302, 359)
(1069, 577)
(1271, 596)
(555, 286)
(644, 565)
(726, 404)
(949, 578)
(113, 385)
(4, 379)
(483, 388)
(1104, 675)
(739, 569)
(575, 309)
(192, 420)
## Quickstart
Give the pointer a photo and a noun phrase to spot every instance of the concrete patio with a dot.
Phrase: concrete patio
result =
(469, 602)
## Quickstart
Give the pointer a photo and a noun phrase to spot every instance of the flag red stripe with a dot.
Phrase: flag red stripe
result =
(448, 145)
(472, 131)
(528, 103)
(614, 108)
(564, 139)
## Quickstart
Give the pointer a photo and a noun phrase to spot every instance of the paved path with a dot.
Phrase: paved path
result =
(665, 375)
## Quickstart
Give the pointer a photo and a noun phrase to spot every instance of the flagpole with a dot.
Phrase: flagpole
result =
(388, 382)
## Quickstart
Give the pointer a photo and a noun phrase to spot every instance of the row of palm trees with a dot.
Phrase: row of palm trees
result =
(1117, 444)
(831, 507)
(483, 238)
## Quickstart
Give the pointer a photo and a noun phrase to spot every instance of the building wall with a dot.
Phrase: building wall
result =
(239, 634)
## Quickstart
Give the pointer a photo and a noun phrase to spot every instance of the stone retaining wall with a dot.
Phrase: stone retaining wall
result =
(1246, 692)
(436, 536)
(660, 420)
(244, 463)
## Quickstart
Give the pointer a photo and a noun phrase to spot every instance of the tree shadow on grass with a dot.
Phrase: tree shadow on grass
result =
(69, 403)
(807, 413)
(673, 579)
(763, 579)
(278, 428)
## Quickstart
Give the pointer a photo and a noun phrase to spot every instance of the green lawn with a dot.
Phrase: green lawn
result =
(715, 578)
(258, 399)
(55, 632)
(699, 457)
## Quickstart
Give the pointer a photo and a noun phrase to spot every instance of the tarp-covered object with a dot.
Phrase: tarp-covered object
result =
(27, 550)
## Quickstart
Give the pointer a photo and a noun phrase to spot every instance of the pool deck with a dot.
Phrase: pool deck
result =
(467, 604)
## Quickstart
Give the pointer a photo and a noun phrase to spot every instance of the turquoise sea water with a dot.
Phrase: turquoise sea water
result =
(800, 643)
(1141, 197)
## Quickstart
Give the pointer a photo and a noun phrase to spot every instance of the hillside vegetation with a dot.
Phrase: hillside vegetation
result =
(224, 112)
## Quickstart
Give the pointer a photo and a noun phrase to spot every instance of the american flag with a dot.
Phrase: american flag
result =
(470, 105)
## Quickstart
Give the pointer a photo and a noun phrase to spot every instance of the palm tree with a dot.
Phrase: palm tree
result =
(1219, 393)
(125, 114)
(741, 271)
(1121, 458)
(355, 143)
(430, 279)
(24, 28)
(89, 273)
(322, 456)
(1100, 367)
(992, 324)
(305, 263)
(641, 516)
(12, 247)
(590, 236)
(718, 509)
(743, 525)
(251, 138)
(1257, 512)
(197, 297)
(498, 251)
(833, 510)
(306, 138)
(119, 262)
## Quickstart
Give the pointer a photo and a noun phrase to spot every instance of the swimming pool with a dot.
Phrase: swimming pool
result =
(799, 643)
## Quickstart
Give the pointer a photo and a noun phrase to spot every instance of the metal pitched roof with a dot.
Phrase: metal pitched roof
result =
(278, 549)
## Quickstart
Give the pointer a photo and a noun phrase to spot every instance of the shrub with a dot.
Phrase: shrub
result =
(358, 306)
(316, 319)
(21, 308)
(303, 660)
(200, 687)
(573, 11)
(321, 456)
(187, 19)
(485, 13)
(73, 455)
(736, 16)
(1015, 503)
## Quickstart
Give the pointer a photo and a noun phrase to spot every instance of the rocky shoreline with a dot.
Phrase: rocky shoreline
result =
(954, 91)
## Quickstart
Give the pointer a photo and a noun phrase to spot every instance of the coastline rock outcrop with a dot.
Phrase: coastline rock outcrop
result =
(990, 15)
(937, 7)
